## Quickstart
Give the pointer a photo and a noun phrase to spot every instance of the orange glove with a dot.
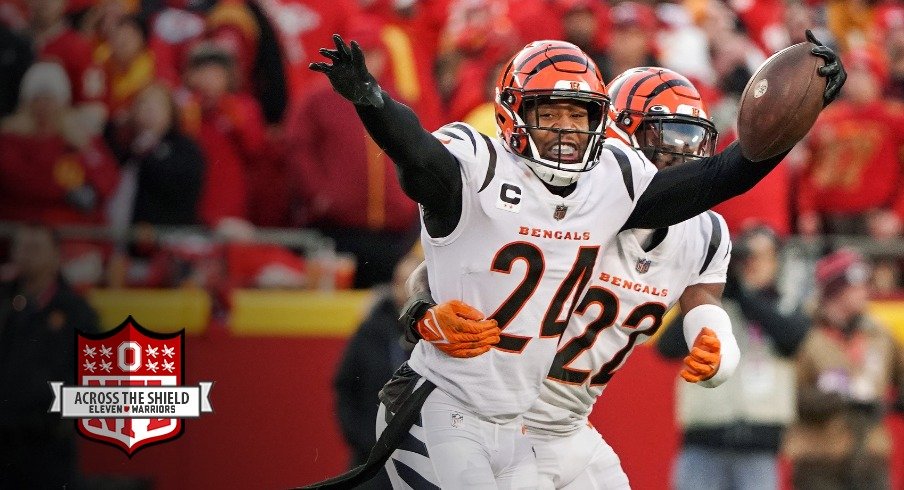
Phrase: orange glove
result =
(703, 361)
(458, 329)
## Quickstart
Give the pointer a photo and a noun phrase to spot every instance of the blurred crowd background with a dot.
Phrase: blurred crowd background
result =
(184, 145)
(185, 142)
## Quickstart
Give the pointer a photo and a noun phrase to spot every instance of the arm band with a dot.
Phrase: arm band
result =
(715, 318)
(415, 309)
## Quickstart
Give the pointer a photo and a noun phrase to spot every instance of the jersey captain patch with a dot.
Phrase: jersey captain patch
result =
(509, 198)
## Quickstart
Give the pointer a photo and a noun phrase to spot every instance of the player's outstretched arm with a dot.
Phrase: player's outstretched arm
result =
(680, 192)
(453, 327)
(428, 172)
(714, 353)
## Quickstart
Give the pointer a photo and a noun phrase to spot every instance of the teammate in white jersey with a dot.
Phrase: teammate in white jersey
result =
(660, 113)
(514, 225)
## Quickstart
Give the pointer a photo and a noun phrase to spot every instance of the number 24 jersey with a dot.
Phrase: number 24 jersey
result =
(523, 256)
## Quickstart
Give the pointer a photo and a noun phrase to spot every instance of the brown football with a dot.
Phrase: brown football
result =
(780, 102)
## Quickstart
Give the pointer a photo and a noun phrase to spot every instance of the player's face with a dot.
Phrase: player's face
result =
(561, 145)
(676, 143)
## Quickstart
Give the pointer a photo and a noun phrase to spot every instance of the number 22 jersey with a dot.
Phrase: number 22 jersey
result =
(623, 306)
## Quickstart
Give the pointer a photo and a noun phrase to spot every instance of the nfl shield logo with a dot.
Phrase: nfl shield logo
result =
(560, 211)
(130, 355)
(643, 265)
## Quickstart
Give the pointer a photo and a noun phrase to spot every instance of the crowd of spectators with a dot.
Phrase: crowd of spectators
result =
(129, 113)
(818, 379)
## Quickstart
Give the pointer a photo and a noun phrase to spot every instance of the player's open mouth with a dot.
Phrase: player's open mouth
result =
(564, 152)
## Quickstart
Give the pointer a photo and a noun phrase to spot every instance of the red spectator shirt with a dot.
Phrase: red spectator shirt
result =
(75, 54)
(412, 44)
(855, 159)
(36, 173)
(303, 27)
(233, 140)
(344, 179)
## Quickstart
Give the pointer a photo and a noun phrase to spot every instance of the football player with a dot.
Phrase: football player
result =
(514, 225)
(660, 113)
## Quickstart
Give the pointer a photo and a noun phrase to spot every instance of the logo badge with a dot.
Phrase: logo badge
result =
(130, 393)
(560, 211)
(457, 419)
(760, 88)
(643, 265)
(509, 198)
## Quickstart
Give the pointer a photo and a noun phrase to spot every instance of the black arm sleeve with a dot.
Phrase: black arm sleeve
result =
(684, 191)
(428, 172)
(787, 331)
(671, 344)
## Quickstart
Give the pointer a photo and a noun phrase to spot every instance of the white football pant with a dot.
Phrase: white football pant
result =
(580, 461)
(452, 448)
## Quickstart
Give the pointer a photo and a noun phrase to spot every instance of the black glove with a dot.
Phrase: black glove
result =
(833, 71)
(349, 75)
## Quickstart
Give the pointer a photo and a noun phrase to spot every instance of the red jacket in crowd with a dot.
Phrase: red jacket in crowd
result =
(855, 160)
(75, 54)
(39, 174)
(232, 138)
(344, 179)
(303, 27)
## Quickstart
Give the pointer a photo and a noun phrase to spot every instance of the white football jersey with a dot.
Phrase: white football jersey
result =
(622, 308)
(520, 254)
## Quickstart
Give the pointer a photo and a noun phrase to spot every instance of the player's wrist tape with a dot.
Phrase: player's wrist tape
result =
(717, 320)
(415, 309)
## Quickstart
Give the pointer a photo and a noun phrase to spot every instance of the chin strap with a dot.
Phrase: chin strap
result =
(548, 177)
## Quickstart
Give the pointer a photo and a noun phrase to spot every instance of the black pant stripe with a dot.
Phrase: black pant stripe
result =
(412, 477)
(414, 445)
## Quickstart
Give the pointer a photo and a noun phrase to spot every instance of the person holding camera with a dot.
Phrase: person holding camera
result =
(732, 433)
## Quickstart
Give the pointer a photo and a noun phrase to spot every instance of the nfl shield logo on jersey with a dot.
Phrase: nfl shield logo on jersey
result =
(643, 265)
(129, 391)
(560, 211)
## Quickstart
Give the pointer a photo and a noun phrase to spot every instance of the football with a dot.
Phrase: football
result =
(780, 102)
